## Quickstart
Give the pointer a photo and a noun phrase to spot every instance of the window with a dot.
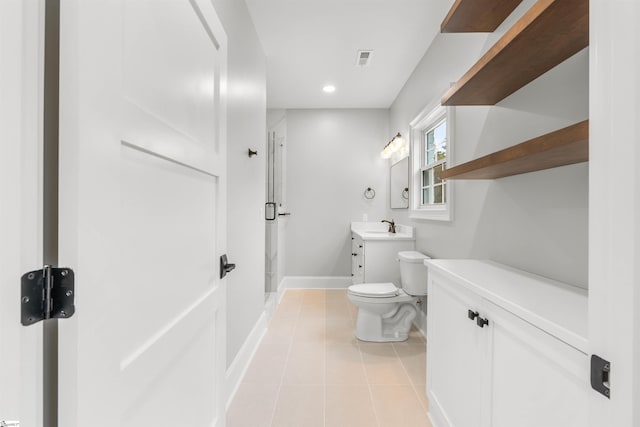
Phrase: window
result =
(434, 158)
(431, 142)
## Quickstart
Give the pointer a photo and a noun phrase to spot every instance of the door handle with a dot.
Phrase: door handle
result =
(271, 205)
(284, 214)
(225, 267)
(481, 322)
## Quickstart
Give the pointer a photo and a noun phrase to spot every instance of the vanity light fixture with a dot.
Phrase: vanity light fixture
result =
(392, 147)
(329, 89)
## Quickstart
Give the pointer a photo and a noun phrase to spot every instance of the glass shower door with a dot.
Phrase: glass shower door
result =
(273, 209)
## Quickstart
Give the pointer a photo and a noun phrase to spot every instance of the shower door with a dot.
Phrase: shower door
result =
(274, 209)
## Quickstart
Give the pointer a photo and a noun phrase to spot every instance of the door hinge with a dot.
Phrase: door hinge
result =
(47, 294)
(600, 370)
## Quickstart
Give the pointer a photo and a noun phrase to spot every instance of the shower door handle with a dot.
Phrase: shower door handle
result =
(271, 205)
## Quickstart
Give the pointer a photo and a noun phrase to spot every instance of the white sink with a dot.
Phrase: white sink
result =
(378, 231)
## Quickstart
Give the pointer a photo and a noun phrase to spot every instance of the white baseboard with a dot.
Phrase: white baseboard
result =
(435, 413)
(239, 366)
(315, 282)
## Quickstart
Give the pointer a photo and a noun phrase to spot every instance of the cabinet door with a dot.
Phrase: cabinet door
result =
(357, 260)
(456, 355)
(536, 380)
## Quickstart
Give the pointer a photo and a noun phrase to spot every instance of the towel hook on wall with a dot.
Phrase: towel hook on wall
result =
(252, 153)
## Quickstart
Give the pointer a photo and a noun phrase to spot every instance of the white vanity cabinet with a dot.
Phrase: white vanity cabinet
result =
(357, 259)
(374, 253)
(505, 348)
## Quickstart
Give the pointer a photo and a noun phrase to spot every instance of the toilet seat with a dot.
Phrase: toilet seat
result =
(374, 290)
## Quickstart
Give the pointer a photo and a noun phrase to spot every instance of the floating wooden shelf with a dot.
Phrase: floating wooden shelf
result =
(547, 34)
(477, 16)
(559, 148)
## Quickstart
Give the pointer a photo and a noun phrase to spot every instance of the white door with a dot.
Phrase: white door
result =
(142, 212)
(20, 205)
(614, 207)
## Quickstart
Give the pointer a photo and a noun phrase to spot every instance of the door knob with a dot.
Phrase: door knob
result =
(225, 266)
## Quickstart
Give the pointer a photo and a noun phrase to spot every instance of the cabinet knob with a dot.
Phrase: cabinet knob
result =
(359, 266)
(481, 322)
(359, 246)
(472, 314)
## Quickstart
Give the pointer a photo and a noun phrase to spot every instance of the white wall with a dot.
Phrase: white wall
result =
(246, 176)
(332, 157)
(537, 221)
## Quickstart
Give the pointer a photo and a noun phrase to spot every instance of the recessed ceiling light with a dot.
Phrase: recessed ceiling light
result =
(329, 89)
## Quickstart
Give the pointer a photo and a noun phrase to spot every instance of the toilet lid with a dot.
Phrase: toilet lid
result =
(375, 290)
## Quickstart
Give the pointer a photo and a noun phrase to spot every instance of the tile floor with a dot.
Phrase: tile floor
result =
(310, 371)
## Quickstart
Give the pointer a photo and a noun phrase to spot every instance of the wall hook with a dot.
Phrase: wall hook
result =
(252, 153)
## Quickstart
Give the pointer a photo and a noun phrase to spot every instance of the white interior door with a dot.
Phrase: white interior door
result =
(142, 216)
(614, 207)
(21, 31)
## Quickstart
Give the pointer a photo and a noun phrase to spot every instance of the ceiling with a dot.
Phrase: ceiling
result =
(312, 43)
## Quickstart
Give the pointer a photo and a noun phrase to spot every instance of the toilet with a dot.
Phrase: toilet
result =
(386, 312)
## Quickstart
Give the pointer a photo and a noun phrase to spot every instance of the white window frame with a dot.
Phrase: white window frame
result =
(430, 117)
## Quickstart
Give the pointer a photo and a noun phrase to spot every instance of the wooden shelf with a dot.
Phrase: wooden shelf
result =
(559, 148)
(477, 16)
(547, 34)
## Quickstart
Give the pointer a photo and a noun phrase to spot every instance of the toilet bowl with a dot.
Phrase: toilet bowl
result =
(386, 312)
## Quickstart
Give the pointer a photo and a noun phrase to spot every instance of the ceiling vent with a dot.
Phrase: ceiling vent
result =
(364, 58)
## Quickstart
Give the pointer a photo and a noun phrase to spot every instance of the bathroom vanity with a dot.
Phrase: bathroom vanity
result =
(505, 348)
(374, 251)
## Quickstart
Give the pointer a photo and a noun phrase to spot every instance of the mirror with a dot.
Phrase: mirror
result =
(400, 184)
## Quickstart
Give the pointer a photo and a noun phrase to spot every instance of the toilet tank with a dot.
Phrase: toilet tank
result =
(413, 272)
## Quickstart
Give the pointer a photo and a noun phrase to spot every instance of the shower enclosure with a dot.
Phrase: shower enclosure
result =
(275, 215)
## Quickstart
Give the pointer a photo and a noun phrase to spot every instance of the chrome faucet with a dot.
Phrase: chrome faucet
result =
(392, 225)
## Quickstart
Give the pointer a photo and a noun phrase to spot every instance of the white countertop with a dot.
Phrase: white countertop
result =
(376, 235)
(556, 307)
(379, 231)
